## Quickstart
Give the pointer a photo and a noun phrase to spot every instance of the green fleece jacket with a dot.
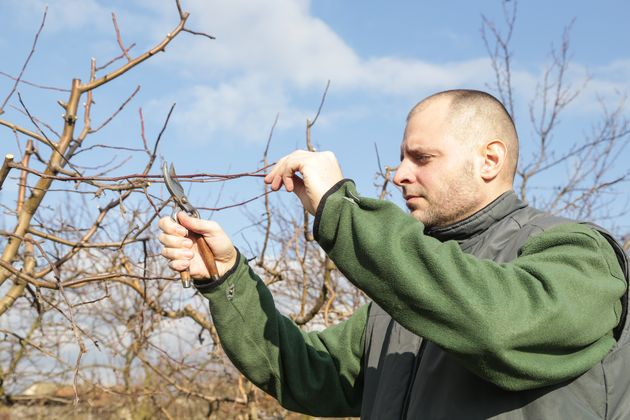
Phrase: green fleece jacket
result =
(543, 318)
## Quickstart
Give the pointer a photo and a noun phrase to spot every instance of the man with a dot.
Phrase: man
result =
(482, 307)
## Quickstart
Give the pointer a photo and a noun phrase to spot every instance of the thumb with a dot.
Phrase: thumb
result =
(300, 190)
(194, 224)
(213, 235)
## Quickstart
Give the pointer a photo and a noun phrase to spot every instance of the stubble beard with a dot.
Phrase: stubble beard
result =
(458, 199)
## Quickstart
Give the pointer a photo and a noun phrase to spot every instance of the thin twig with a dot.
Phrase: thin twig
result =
(242, 203)
(199, 177)
(310, 124)
(36, 85)
(120, 108)
(159, 137)
(119, 38)
(17, 80)
(48, 126)
(321, 103)
(142, 134)
(198, 33)
(33, 119)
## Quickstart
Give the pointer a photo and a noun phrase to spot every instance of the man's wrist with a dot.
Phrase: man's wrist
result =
(322, 203)
(206, 285)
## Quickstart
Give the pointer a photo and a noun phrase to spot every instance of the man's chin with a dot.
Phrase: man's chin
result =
(418, 214)
(422, 215)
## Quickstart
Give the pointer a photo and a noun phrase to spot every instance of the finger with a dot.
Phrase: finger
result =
(200, 226)
(276, 175)
(288, 183)
(282, 174)
(273, 172)
(171, 227)
(179, 265)
(174, 254)
(282, 169)
(174, 241)
(276, 182)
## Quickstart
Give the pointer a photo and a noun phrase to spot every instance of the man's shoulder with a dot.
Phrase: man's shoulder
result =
(536, 220)
(504, 240)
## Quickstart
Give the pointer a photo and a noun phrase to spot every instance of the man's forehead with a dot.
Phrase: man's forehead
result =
(432, 106)
(430, 134)
(425, 127)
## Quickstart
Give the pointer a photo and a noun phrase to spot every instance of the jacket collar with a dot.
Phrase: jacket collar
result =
(479, 222)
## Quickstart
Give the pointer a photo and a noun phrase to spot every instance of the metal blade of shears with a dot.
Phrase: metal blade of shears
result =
(177, 191)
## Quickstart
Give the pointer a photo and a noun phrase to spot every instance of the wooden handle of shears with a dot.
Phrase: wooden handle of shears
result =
(206, 255)
(185, 275)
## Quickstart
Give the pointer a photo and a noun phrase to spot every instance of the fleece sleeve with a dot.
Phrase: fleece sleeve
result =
(316, 373)
(543, 318)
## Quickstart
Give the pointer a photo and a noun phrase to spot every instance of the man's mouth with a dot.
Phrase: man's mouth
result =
(413, 201)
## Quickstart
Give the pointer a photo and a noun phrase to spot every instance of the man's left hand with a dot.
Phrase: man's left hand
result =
(320, 171)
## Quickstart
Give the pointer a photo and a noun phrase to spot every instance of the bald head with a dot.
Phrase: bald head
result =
(475, 117)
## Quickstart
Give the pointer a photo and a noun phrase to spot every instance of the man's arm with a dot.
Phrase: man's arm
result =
(544, 318)
(318, 373)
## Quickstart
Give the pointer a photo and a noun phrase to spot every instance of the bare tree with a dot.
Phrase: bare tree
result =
(84, 297)
(89, 310)
(94, 322)
(590, 181)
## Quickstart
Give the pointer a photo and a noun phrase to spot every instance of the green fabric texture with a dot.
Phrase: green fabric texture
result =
(317, 373)
(541, 319)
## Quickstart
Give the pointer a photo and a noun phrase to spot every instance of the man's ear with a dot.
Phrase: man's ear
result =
(494, 154)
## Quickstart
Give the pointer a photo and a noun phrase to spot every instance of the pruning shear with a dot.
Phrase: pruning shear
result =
(181, 203)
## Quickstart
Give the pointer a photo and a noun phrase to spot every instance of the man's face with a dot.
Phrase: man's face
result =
(437, 171)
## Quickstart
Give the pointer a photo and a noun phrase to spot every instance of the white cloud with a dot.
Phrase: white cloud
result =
(63, 15)
(618, 70)
(281, 40)
(407, 77)
(246, 106)
(265, 52)
(276, 38)
(594, 86)
(608, 84)
(268, 54)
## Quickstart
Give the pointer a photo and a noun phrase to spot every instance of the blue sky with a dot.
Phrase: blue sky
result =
(274, 57)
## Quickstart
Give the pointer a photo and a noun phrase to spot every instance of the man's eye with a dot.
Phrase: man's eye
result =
(422, 158)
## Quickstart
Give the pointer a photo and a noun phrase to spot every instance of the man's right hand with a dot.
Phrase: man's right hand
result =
(182, 253)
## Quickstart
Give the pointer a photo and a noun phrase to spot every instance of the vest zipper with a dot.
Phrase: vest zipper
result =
(414, 372)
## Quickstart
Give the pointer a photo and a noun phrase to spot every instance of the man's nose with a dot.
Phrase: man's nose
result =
(403, 174)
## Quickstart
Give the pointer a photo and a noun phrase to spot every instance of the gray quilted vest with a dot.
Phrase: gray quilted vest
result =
(408, 378)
